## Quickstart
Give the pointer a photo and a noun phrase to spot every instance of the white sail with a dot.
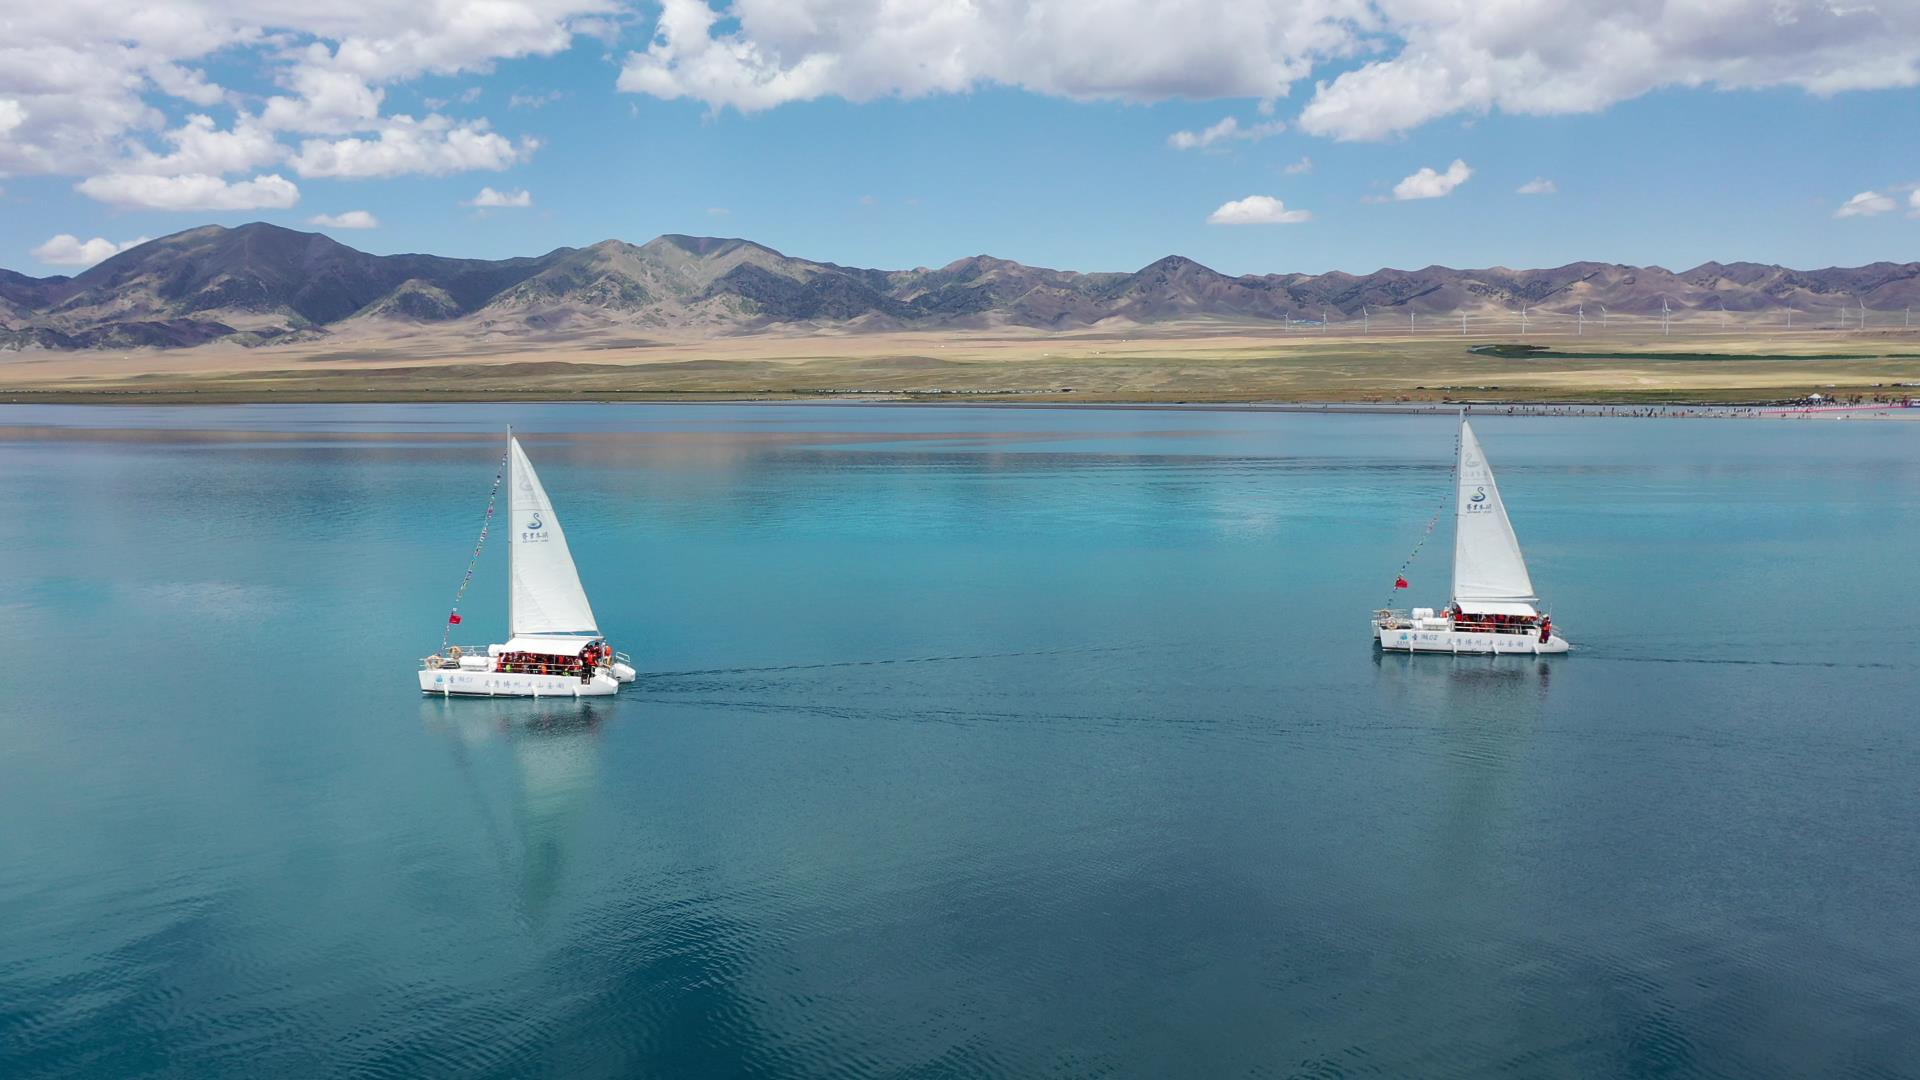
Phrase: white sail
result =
(1487, 564)
(545, 595)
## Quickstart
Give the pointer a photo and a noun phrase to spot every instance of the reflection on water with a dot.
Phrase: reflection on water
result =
(556, 754)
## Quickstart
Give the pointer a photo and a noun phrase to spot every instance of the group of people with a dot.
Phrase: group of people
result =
(1501, 624)
(583, 666)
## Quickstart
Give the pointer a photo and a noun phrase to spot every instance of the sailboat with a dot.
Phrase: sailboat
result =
(554, 647)
(1494, 608)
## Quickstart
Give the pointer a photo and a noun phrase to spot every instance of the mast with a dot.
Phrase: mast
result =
(1459, 464)
(512, 467)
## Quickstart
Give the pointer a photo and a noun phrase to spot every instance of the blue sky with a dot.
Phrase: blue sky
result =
(615, 126)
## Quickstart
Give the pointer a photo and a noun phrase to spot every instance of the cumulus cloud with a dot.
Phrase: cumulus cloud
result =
(67, 249)
(352, 219)
(498, 199)
(200, 147)
(12, 115)
(1228, 128)
(1257, 210)
(1304, 165)
(758, 54)
(1553, 57)
(195, 191)
(1428, 184)
(404, 145)
(1539, 185)
(1428, 58)
(85, 85)
(1865, 204)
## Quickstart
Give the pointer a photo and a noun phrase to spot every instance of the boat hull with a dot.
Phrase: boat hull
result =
(1409, 639)
(454, 682)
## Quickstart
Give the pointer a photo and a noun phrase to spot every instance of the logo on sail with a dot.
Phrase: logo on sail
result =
(1477, 502)
(1479, 495)
(536, 523)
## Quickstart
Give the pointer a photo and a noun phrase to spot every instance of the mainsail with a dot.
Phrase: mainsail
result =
(545, 594)
(1487, 564)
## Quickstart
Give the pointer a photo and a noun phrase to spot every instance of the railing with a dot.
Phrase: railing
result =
(1396, 619)
(452, 657)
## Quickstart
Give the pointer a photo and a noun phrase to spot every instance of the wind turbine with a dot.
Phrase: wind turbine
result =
(1666, 318)
(1366, 319)
(1863, 314)
(1409, 321)
(1463, 322)
(1523, 320)
(1603, 316)
(1580, 328)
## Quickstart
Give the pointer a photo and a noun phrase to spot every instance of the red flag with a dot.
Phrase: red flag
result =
(453, 619)
(1398, 583)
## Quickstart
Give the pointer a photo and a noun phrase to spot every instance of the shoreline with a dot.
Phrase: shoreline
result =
(1908, 410)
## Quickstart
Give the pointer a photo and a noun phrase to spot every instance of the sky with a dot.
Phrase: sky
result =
(1255, 136)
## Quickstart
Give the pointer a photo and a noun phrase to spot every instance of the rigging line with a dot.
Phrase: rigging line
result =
(446, 631)
(1433, 522)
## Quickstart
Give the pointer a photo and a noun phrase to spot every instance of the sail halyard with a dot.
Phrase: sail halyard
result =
(544, 591)
(1487, 563)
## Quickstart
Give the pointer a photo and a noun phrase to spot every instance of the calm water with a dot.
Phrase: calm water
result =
(967, 743)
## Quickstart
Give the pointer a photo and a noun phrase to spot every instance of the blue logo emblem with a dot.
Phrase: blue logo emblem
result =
(1479, 495)
(536, 523)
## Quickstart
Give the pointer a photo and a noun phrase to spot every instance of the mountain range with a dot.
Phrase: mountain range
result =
(260, 284)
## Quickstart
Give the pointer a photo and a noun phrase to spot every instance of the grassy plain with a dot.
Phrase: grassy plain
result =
(1187, 362)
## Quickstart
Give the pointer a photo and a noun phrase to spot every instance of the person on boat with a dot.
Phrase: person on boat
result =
(1546, 629)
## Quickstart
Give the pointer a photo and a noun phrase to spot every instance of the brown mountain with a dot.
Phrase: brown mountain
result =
(260, 283)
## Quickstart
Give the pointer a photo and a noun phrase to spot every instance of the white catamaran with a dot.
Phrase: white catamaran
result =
(1494, 607)
(555, 648)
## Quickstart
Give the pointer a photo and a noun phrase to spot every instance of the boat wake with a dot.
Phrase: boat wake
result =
(1086, 650)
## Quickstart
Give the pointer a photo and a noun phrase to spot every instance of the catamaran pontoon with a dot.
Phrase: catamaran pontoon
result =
(554, 648)
(1494, 607)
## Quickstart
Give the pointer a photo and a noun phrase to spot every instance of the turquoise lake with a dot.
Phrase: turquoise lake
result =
(967, 742)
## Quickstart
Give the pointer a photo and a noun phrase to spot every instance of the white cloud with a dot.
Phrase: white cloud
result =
(185, 83)
(352, 219)
(1865, 204)
(1539, 185)
(1304, 165)
(67, 249)
(1913, 201)
(758, 54)
(1428, 58)
(12, 115)
(1551, 57)
(534, 101)
(1228, 128)
(718, 211)
(404, 145)
(84, 84)
(492, 198)
(199, 147)
(1257, 210)
(1427, 184)
(196, 191)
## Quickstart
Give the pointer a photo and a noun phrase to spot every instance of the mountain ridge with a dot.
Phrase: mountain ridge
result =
(258, 284)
